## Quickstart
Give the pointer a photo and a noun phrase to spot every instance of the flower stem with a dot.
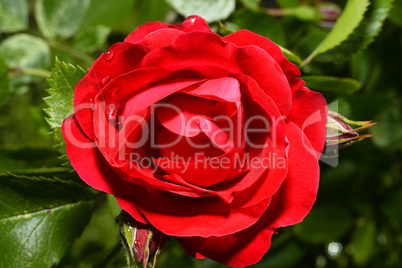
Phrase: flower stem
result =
(32, 71)
(75, 53)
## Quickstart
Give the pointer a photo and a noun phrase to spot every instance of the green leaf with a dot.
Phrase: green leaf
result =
(395, 13)
(291, 56)
(344, 86)
(287, 3)
(4, 83)
(25, 51)
(261, 23)
(350, 19)
(40, 218)
(326, 223)
(60, 102)
(210, 10)
(18, 159)
(108, 13)
(60, 18)
(364, 242)
(13, 15)
(251, 4)
(91, 38)
(362, 35)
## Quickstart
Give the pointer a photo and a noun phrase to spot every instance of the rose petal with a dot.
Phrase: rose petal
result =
(190, 24)
(184, 216)
(309, 113)
(127, 203)
(236, 250)
(298, 192)
(125, 57)
(89, 163)
(185, 53)
(204, 172)
(246, 38)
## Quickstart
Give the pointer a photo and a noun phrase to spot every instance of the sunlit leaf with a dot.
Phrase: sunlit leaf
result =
(350, 19)
(13, 15)
(210, 10)
(363, 35)
(91, 38)
(344, 86)
(60, 101)
(60, 18)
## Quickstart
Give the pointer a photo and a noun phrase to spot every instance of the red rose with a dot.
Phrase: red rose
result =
(212, 140)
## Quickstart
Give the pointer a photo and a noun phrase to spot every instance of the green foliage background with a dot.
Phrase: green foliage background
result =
(49, 218)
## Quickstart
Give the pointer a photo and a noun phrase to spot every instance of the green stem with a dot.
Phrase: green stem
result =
(32, 71)
(75, 53)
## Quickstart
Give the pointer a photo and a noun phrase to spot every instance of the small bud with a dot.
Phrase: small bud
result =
(141, 241)
(340, 133)
(329, 13)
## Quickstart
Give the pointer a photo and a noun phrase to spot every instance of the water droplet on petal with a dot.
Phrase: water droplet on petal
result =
(106, 80)
(108, 56)
(111, 111)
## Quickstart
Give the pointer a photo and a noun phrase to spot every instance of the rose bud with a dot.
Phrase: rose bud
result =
(213, 140)
(340, 133)
(329, 13)
(141, 241)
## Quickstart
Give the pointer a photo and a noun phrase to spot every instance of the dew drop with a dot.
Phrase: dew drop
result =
(106, 80)
(108, 56)
(111, 111)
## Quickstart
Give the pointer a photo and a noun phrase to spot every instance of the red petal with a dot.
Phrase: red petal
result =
(237, 250)
(246, 38)
(190, 24)
(128, 204)
(187, 53)
(125, 58)
(89, 163)
(184, 216)
(298, 192)
(309, 113)
(204, 172)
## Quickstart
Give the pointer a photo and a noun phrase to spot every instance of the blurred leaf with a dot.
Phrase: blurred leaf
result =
(146, 11)
(4, 83)
(325, 223)
(13, 15)
(60, 18)
(19, 159)
(391, 207)
(251, 4)
(40, 219)
(60, 101)
(108, 13)
(287, 3)
(364, 242)
(286, 256)
(344, 86)
(363, 35)
(389, 128)
(291, 56)
(210, 10)
(91, 38)
(261, 23)
(25, 51)
(350, 19)
(395, 13)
